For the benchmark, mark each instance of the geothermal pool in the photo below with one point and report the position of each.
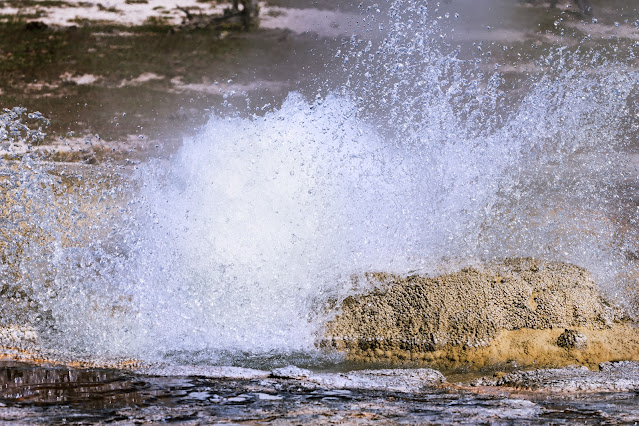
(432, 143)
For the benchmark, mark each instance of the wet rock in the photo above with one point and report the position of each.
(214, 372)
(612, 377)
(291, 372)
(450, 318)
(620, 367)
(395, 380)
(572, 339)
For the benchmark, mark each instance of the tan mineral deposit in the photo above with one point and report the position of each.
(521, 312)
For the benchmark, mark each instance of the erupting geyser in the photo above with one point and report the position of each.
(247, 238)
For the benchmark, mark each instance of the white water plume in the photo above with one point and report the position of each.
(242, 240)
(256, 223)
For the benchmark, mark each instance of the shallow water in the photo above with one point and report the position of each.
(59, 395)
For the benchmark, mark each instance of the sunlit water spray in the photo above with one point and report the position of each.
(242, 241)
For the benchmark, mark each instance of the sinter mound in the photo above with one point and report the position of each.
(509, 312)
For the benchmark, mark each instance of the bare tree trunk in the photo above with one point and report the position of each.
(248, 16)
(250, 12)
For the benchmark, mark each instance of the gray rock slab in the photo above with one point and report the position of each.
(214, 372)
(395, 380)
(612, 377)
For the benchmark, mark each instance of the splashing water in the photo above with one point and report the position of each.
(240, 242)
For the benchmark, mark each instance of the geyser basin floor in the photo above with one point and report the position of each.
(36, 394)
(115, 91)
(118, 84)
(139, 86)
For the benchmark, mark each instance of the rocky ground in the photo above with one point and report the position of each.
(291, 395)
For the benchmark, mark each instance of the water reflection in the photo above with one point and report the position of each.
(93, 389)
